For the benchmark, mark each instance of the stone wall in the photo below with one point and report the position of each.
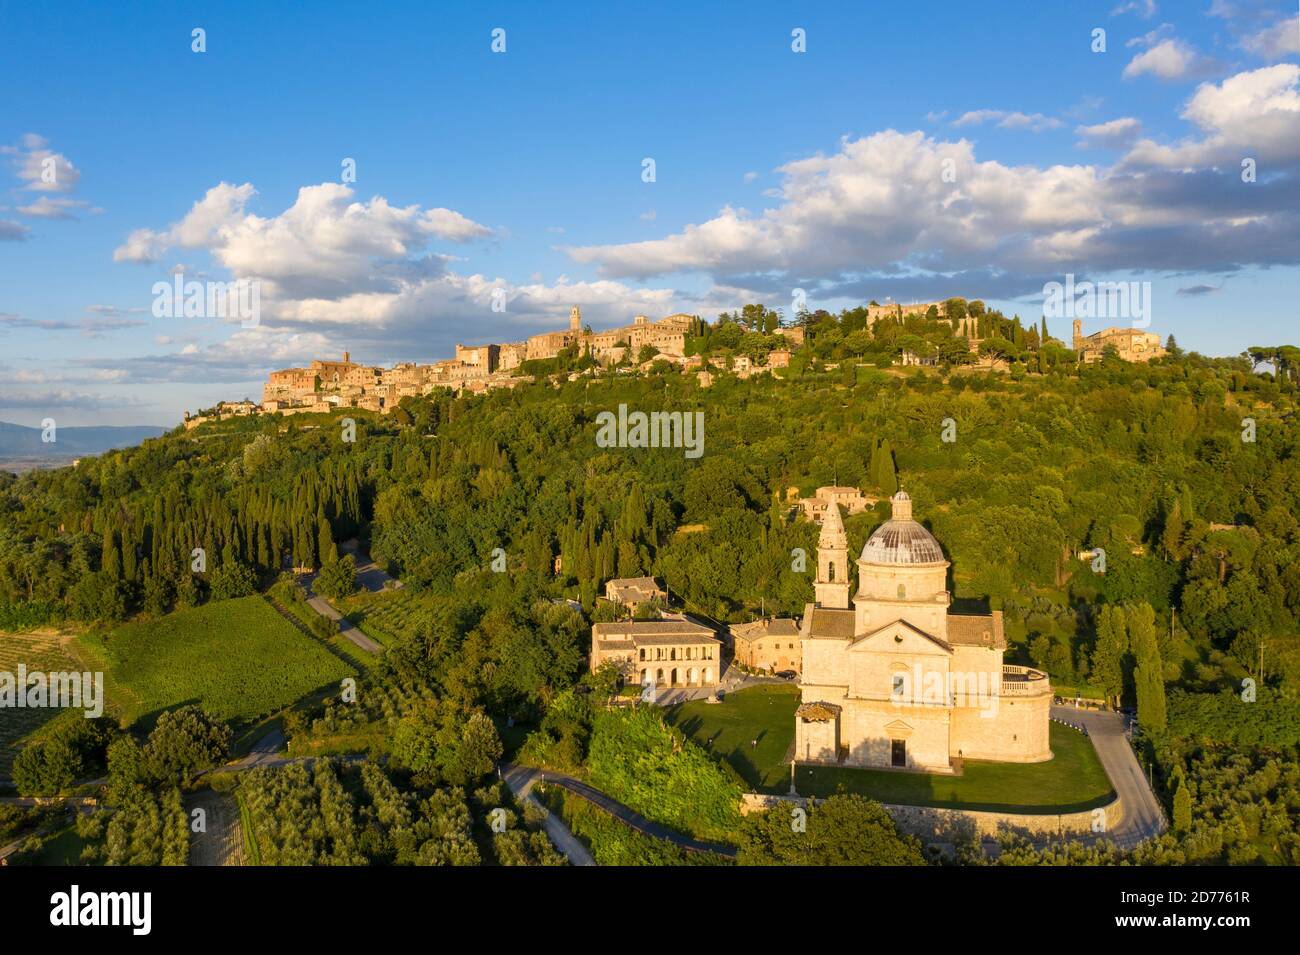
(932, 824)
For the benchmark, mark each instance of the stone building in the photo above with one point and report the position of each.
(486, 358)
(772, 644)
(815, 508)
(635, 592)
(331, 374)
(895, 311)
(892, 678)
(1131, 344)
(669, 652)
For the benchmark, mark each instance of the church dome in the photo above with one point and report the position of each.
(901, 540)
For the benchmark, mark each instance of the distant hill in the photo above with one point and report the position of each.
(18, 441)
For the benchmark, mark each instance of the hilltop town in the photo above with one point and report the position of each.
(327, 384)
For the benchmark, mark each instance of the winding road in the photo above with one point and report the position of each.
(1142, 818)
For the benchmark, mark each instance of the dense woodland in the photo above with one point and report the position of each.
(1184, 473)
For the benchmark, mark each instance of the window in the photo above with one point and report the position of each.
(902, 592)
(900, 685)
(830, 570)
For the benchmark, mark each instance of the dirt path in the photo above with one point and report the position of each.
(223, 843)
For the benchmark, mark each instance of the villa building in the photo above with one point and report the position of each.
(1130, 344)
(635, 592)
(669, 652)
(853, 501)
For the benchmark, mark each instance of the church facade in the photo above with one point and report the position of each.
(892, 678)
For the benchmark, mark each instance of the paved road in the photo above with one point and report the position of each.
(322, 607)
(1142, 817)
(265, 752)
(369, 574)
(619, 811)
(521, 780)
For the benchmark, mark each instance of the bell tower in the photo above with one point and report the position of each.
(831, 588)
(575, 320)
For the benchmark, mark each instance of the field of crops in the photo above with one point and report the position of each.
(386, 617)
(40, 653)
(238, 659)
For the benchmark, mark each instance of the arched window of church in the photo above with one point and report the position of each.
(831, 568)
(902, 591)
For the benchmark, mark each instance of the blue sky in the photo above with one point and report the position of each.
(522, 171)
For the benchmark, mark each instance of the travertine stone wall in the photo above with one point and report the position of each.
(932, 824)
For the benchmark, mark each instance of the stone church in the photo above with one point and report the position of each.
(892, 678)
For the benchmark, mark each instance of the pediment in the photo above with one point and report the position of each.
(901, 637)
(898, 730)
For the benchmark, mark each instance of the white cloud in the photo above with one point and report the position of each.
(41, 169)
(323, 245)
(1279, 40)
(52, 207)
(1115, 132)
(359, 275)
(1168, 60)
(880, 209)
(1034, 122)
(1143, 8)
(1255, 114)
(880, 200)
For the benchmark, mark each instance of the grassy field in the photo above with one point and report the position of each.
(1072, 781)
(40, 652)
(729, 729)
(239, 659)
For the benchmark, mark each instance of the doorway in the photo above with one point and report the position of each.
(898, 752)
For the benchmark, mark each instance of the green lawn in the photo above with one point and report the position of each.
(239, 659)
(1071, 781)
(728, 730)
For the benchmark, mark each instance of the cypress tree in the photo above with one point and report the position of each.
(1171, 539)
(1108, 655)
(110, 557)
(1182, 808)
(1148, 675)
